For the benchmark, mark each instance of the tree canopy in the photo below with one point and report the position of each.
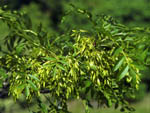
(100, 63)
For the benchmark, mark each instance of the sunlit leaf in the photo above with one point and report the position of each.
(93, 66)
(32, 85)
(123, 72)
(27, 91)
(22, 86)
(34, 77)
(63, 62)
(133, 74)
(50, 58)
(117, 51)
(119, 63)
(61, 67)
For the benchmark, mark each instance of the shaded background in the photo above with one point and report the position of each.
(50, 12)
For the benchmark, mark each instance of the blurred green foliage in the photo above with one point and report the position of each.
(129, 12)
(76, 106)
(132, 13)
(37, 16)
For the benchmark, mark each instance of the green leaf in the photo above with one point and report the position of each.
(133, 74)
(82, 49)
(22, 86)
(34, 77)
(27, 91)
(123, 72)
(120, 62)
(49, 58)
(3, 73)
(1, 11)
(63, 62)
(92, 66)
(87, 83)
(61, 67)
(1, 83)
(117, 51)
(44, 108)
(109, 102)
(139, 66)
(129, 39)
(32, 85)
(144, 54)
(19, 48)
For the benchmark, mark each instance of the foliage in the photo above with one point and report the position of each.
(100, 63)
(75, 106)
(38, 16)
(126, 11)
